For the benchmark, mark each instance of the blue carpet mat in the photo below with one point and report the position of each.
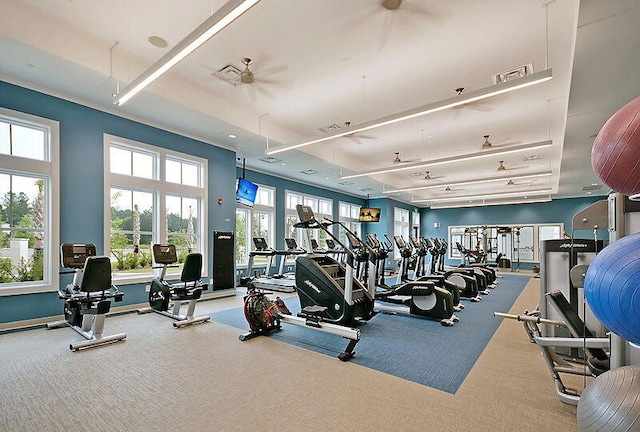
(406, 346)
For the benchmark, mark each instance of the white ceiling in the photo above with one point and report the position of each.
(318, 63)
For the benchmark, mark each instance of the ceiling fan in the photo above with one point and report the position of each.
(489, 145)
(397, 160)
(429, 177)
(501, 167)
(357, 137)
(240, 77)
(471, 105)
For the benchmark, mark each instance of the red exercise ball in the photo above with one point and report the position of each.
(615, 156)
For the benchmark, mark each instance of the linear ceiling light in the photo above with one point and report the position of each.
(205, 31)
(492, 203)
(451, 159)
(452, 102)
(468, 182)
(495, 195)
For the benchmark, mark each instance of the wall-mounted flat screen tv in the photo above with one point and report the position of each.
(368, 214)
(246, 192)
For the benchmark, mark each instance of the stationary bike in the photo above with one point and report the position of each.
(190, 288)
(87, 299)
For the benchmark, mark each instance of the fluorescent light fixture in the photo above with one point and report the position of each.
(496, 195)
(468, 182)
(205, 31)
(451, 159)
(492, 203)
(452, 102)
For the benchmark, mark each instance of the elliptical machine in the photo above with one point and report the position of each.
(87, 300)
(423, 298)
(161, 293)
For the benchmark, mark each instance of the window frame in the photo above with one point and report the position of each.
(258, 207)
(289, 212)
(404, 226)
(161, 188)
(351, 222)
(48, 169)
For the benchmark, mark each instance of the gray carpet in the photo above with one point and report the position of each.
(202, 378)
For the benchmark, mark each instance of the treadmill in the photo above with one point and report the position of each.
(266, 281)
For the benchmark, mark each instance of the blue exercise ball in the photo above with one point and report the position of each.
(612, 287)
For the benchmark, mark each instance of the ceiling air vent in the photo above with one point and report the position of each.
(415, 174)
(345, 183)
(270, 159)
(334, 127)
(591, 188)
(512, 74)
(309, 172)
(229, 73)
(365, 189)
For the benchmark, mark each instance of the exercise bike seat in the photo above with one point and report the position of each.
(191, 273)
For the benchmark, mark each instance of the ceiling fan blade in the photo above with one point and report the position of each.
(272, 71)
(385, 32)
(252, 92)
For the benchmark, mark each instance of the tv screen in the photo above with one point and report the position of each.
(246, 192)
(369, 214)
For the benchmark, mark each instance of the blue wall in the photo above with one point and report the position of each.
(556, 211)
(82, 189)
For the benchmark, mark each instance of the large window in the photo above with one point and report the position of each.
(321, 207)
(349, 216)
(400, 227)
(256, 222)
(28, 203)
(155, 196)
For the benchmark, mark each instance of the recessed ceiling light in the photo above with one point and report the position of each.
(157, 42)
(589, 193)
(594, 184)
(283, 164)
(232, 136)
(327, 178)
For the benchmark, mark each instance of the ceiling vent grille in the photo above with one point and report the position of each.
(270, 159)
(229, 73)
(365, 189)
(512, 74)
(309, 172)
(345, 183)
(415, 174)
(334, 127)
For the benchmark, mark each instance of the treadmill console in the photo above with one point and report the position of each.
(330, 244)
(260, 243)
(291, 243)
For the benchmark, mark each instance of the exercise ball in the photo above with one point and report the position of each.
(612, 287)
(611, 402)
(616, 150)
